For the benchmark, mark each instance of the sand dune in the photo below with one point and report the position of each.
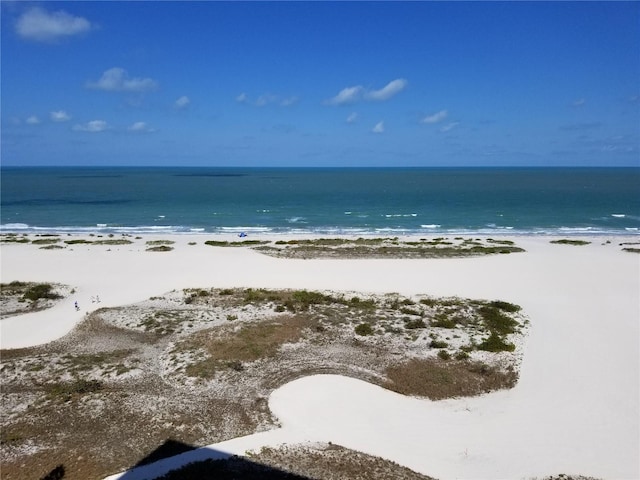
(576, 406)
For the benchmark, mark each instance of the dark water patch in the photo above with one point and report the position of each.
(91, 176)
(40, 202)
(210, 175)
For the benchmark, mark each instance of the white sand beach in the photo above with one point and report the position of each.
(575, 409)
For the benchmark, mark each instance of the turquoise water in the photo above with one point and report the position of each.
(326, 201)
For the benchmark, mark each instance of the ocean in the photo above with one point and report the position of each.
(327, 201)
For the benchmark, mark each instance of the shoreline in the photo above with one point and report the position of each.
(581, 301)
(430, 231)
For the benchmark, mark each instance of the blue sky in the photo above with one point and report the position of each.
(321, 84)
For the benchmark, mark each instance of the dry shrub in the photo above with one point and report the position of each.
(250, 343)
(437, 380)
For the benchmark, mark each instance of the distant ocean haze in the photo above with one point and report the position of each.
(367, 201)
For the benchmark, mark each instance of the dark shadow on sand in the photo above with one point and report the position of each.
(55, 474)
(174, 460)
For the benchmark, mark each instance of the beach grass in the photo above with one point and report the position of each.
(386, 247)
(159, 248)
(567, 241)
(438, 380)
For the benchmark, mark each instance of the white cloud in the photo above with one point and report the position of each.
(182, 102)
(42, 26)
(578, 103)
(33, 120)
(242, 98)
(140, 127)
(93, 126)
(352, 117)
(436, 117)
(117, 80)
(358, 92)
(449, 126)
(60, 116)
(346, 95)
(266, 99)
(287, 102)
(379, 128)
(389, 90)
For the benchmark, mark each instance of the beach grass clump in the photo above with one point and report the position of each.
(444, 355)
(567, 241)
(113, 241)
(500, 242)
(244, 243)
(429, 302)
(631, 249)
(259, 295)
(443, 320)
(160, 248)
(293, 301)
(414, 323)
(13, 287)
(247, 344)
(438, 344)
(364, 329)
(45, 241)
(67, 391)
(461, 355)
(78, 241)
(362, 304)
(496, 343)
(160, 242)
(319, 242)
(40, 290)
(303, 299)
(505, 306)
(410, 311)
(437, 379)
(14, 238)
(496, 321)
(165, 321)
(84, 362)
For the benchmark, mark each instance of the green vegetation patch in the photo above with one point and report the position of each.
(364, 329)
(496, 321)
(45, 241)
(40, 290)
(386, 248)
(244, 243)
(496, 343)
(113, 241)
(78, 241)
(14, 238)
(567, 241)
(160, 248)
(67, 391)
